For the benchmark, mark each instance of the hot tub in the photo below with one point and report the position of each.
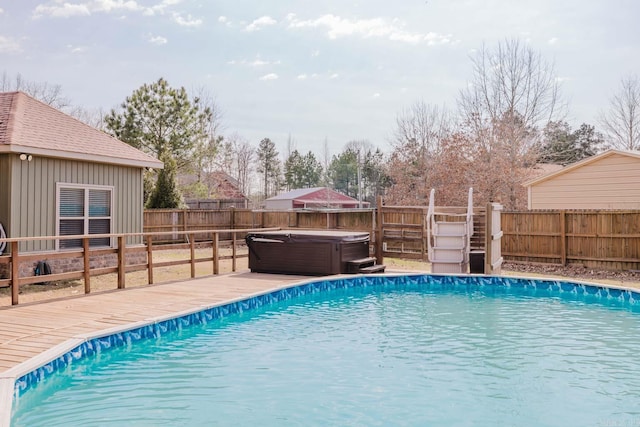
(305, 252)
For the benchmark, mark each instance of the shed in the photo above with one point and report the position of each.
(609, 180)
(59, 176)
(317, 197)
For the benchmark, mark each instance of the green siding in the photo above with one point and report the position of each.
(33, 197)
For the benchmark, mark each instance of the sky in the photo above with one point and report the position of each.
(332, 71)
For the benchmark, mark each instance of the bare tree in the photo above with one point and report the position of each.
(512, 95)
(207, 99)
(93, 117)
(416, 141)
(622, 121)
(421, 126)
(243, 153)
(50, 94)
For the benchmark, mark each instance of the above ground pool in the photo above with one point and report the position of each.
(363, 351)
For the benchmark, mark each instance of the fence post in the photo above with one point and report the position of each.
(216, 261)
(121, 262)
(192, 251)
(488, 238)
(378, 229)
(149, 260)
(233, 252)
(87, 266)
(184, 224)
(563, 236)
(233, 218)
(15, 273)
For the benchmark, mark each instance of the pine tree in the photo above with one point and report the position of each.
(165, 195)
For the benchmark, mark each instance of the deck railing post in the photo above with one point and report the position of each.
(192, 252)
(149, 260)
(378, 225)
(15, 273)
(121, 262)
(87, 265)
(233, 252)
(216, 260)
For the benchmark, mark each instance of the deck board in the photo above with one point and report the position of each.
(28, 330)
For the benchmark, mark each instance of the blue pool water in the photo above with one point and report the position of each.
(402, 351)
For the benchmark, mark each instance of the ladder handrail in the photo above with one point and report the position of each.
(469, 218)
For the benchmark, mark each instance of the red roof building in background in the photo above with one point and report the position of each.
(309, 198)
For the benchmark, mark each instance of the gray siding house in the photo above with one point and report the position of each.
(59, 176)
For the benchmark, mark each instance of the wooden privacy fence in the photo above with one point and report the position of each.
(402, 229)
(173, 221)
(593, 238)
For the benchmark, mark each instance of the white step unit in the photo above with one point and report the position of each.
(450, 250)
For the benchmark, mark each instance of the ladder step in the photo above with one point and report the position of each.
(373, 269)
(361, 261)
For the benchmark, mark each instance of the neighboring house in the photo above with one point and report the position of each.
(318, 197)
(610, 180)
(224, 191)
(59, 176)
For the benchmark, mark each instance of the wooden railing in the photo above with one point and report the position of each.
(14, 259)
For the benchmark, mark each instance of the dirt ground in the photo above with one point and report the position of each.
(40, 292)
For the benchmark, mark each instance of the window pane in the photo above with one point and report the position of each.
(100, 226)
(71, 202)
(99, 203)
(71, 227)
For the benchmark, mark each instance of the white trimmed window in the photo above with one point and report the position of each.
(83, 209)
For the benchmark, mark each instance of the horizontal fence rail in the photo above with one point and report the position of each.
(602, 239)
(84, 256)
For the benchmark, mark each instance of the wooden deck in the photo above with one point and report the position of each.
(28, 330)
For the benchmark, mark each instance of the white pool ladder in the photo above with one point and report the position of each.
(449, 237)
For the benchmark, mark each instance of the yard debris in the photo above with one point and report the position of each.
(573, 271)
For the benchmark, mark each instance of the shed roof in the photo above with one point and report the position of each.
(581, 163)
(33, 127)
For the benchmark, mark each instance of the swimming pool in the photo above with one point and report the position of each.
(380, 350)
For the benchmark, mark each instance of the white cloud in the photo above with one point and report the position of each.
(189, 21)
(76, 49)
(157, 40)
(1, 10)
(62, 9)
(334, 76)
(258, 62)
(302, 77)
(65, 10)
(375, 95)
(553, 40)
(367, 28)
(270, 76)
(9, 45)
(260, 23)
(315, 53)
(223, 19)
